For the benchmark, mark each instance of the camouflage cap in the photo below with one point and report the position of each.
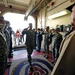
(30, 23)
(7, 22)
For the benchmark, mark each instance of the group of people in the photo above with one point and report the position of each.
(18, 38)
(5, 44)
(51, 37)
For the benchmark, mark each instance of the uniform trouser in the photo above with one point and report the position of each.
(47, 48)
(10, 47)
(55, 53)
(29, 50)
(39, 45)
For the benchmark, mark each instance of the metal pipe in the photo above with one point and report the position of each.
(35, 7)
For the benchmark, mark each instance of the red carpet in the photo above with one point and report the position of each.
(38, 68)
(21, 66)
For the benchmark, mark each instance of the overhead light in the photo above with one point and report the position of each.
(62, 13)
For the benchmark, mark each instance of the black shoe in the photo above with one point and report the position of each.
(38, 51)
(53, 61)
(31, 68)
(8, 64)
(46, 56)
(10, 56)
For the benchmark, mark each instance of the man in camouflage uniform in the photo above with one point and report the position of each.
(47, 41)
(30, 41)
